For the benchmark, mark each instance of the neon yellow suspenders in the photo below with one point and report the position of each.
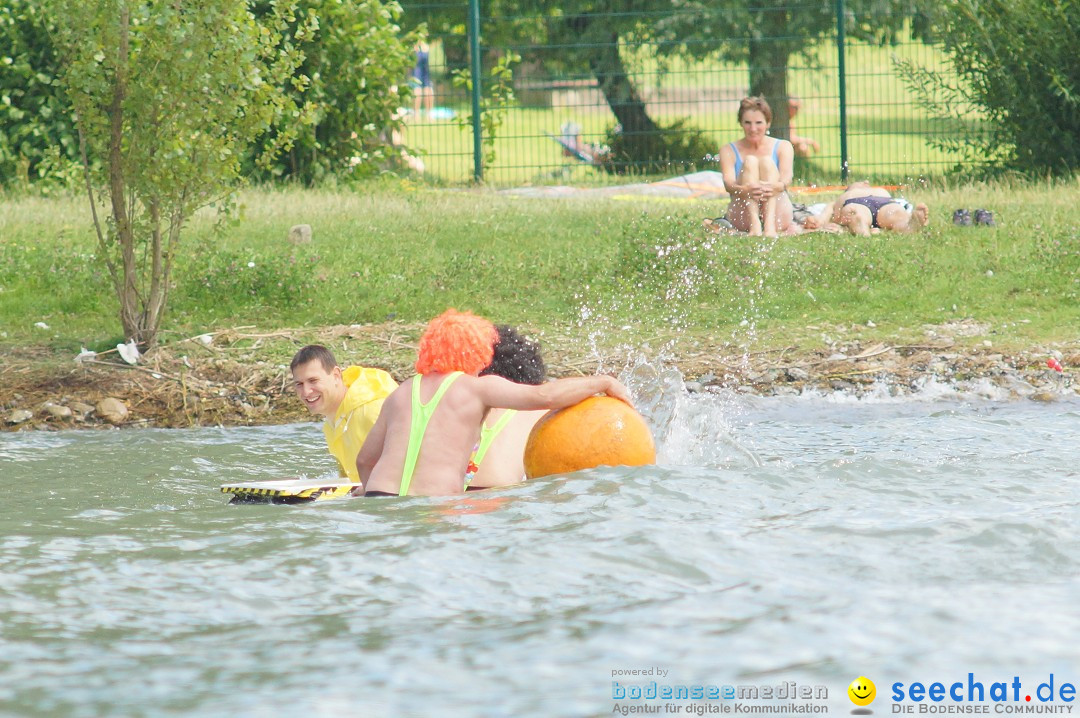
(487, 438)
(421, 415)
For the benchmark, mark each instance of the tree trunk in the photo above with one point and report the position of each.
(621, 95)
(156, 300)
(127, 291)
(768, 68)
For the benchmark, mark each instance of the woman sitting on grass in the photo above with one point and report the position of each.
(757, 170)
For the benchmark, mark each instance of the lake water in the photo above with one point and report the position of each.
(805, 540)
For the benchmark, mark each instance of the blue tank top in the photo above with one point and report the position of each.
(422, 70)
(738, 157)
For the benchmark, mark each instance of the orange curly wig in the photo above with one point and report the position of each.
(456, 341)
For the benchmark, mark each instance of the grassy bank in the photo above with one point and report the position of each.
(632, 269)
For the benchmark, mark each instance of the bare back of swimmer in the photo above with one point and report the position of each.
(454, 429)
(429, 428)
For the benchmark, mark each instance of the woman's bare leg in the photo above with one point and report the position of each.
(750, 173)
(920, 217)
(769, 173)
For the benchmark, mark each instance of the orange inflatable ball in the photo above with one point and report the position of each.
(599, 431)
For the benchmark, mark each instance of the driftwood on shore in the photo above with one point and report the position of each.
(239, 376)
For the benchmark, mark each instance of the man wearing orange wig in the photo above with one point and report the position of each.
(422, 442)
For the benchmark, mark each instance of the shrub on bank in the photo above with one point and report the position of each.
(1019, 68)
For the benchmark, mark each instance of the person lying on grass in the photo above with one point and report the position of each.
(866, 210)
(430, 426)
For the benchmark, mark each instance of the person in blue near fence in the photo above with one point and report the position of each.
(573, 146)
(421, 83)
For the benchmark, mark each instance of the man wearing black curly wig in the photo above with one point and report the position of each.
(499, 456)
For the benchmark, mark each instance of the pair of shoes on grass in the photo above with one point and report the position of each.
(962, 218)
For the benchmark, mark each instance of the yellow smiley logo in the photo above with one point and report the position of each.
(862, 691)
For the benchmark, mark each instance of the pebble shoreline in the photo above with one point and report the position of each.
(110, 396)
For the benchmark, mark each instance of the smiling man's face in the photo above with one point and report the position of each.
(319, 389)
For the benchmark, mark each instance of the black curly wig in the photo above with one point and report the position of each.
(516, 358)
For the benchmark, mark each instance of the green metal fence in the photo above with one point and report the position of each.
(596, 79)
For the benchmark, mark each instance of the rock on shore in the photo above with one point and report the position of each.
(230, 382)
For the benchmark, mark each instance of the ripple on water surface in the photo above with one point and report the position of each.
(779, 539)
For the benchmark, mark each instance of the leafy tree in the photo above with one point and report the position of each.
(767, 34)
(591, 36)
(36, 131)
(1018, 67)
(356, 62)
(167, 96)
(577, 36)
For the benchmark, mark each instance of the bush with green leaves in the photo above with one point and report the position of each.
(497, 96)
(239, 278)
(37, 136)
(1019, 70)
(167, 97)
(676, 148)
(355, 70)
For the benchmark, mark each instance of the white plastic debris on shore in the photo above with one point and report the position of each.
(129, 352)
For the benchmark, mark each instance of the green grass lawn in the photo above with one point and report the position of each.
(593, 267)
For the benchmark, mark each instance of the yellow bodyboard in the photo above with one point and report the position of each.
(291, 490)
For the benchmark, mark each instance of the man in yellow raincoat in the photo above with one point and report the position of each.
(350, 400)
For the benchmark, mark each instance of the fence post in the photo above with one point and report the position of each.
(843, 89)
(477, 127)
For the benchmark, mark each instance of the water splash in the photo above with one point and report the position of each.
(690, 428)
(664, 276)
(746, 333)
